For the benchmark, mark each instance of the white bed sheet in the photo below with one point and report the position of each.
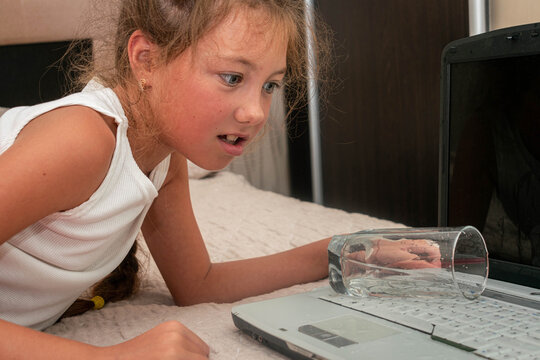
(238, 221)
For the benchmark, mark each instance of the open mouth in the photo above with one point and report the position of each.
(233, 144)
(230, 139)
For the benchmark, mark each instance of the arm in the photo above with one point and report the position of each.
(176, 244)
(56, 163)
(18, 342)
(170, 340)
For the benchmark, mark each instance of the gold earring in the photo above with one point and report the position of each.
(142, 84)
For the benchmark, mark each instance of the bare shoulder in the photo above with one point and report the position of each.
(78, 124)
(79, 136)
(67, 150)
(56, 163)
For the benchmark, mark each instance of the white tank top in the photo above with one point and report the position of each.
(47, 266)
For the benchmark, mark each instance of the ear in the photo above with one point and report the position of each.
(140, 50)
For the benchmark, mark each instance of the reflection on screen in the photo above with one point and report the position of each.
(494, 154)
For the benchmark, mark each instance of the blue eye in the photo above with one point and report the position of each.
(231, 79)
(270, 87)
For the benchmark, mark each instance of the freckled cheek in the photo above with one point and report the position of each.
(217, 111)
(206, 123)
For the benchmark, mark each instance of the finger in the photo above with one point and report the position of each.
(420, 244)
(437, 263)
(191, 341)
(390, 256)
(357, 256)
(196, 344)
(424, 247)
(414, 264)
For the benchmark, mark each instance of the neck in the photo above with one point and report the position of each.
(147, 151)
(143, 136)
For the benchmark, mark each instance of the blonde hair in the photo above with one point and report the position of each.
(174, 26)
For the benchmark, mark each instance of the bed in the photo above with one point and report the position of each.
(237, 221)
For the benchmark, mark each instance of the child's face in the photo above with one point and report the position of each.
(214, 99)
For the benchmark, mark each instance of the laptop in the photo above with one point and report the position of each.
(489, 179)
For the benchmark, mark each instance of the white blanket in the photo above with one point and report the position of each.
(238, 221)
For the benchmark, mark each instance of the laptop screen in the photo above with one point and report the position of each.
(490, 146)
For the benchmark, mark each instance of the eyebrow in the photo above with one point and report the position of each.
(244, 61)
(279, 72)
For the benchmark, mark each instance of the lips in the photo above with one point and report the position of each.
(233, 144)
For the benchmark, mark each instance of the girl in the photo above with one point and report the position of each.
(82, 175)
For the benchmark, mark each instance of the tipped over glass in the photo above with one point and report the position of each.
(409, 262)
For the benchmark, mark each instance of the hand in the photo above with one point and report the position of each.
(170, 340)
(401, 254)
(404, 253)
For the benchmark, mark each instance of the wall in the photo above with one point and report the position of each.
(380, 131)
(41, 21)
(505, 13)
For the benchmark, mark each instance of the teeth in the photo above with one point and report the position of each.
(231, 139)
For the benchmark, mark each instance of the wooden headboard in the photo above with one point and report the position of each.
(35, 73)
(34, 35)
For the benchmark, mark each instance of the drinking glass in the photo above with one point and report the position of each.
(409, 262)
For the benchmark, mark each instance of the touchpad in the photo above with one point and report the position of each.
(346, 330)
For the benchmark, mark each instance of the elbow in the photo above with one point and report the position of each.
(204, 290)
(187, 300)
(193, 295)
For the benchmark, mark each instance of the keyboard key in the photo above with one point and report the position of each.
(493, 329)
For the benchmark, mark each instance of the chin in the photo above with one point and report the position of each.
(214, 165)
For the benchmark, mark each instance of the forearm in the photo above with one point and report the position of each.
(18, 342)
(235, 280)
(170, 338)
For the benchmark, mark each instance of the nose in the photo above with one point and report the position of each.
(252, 111)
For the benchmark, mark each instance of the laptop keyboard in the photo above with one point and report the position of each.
(491, 329)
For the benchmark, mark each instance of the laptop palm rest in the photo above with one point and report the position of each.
(304, 327)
